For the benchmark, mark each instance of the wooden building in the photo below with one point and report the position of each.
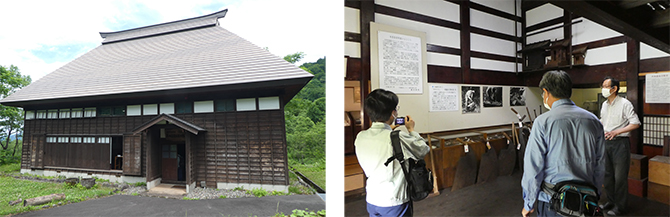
(184, 102)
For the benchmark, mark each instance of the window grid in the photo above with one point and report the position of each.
(103, 140)
(77, 113)
(89, 112)
(42, 114)
(52, 114)
(654, 128)
(51, 139)
(30, 115)
(89, 139)
(62, 139)
(64, 113)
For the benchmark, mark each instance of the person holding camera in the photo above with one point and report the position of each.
(386, 185)
(566, 145)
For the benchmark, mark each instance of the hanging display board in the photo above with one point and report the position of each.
(400, 63)
(443, 98)
(657, 88)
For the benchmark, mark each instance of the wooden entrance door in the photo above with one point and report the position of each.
(170, 164)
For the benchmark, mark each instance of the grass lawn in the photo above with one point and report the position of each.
(13, 189)
(313, 172)
(10, 168)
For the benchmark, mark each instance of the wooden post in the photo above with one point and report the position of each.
(436, 191)
(43, 199)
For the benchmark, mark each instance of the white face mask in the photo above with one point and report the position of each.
(545, 103)
(606, 92)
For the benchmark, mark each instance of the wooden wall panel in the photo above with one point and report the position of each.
(132, 150)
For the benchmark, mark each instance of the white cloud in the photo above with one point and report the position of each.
(284, 27)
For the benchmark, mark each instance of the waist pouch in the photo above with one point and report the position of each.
(573, 198)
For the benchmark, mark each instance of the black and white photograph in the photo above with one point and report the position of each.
(517, 96)
(471, 102)
(492, 96)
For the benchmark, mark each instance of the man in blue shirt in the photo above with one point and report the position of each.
(565, 144)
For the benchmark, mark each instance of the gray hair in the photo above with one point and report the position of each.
(558, 83)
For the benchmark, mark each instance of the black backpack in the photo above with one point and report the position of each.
(419, 179)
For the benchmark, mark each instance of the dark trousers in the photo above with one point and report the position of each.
(404, 210)
(617, 163)
(543, 210)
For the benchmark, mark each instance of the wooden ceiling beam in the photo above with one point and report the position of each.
(634, 3)
(615, 18)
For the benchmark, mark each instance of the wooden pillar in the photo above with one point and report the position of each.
(634, 92)
(567, 33)
(367, 15)
(465, 41)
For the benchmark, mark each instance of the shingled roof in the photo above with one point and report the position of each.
(190, 53)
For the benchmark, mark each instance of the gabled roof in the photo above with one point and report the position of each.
(170, 119)
(169, 56)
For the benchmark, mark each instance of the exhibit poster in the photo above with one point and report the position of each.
(492, 96)
(443, 98)
(471, 100)
(517, 96)
(400, 68)
(657, 88)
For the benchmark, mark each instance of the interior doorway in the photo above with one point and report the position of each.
(173, 155)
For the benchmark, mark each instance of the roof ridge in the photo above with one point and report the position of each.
(163, 28)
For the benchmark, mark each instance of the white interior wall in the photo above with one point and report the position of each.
(478, 63)
(436, 35)
(502, 5)
(588, 31)
(433, 8)
(492, 45)
(605, 55)
(352, 20)
(648, 52)
(491, 22)
(352, 49)
(542, 13)
(440, 59)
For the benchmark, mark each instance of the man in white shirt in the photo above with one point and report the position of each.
(386, 188)
(618, 118)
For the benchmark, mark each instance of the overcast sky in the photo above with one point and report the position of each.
(41, 36)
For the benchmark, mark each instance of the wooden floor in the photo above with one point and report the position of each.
(501, 197)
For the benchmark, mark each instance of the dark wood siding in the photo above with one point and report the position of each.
(237, 147)
(132, 154)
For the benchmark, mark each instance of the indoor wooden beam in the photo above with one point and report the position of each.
(615, 21)
(633, 90)
(367, 15)
(465, 41)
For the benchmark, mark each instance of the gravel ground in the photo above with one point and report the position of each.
(211, 193)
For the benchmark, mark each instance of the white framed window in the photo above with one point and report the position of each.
(89, 139)
(268, 103)
(75, 139)
(103, 140)
(64, 113)
(77, 113)
(30, 115)
(167, 108)
(134, 110)
(203, 106)
(89, 112)
(248, 104)
(151, 109)
(51, 139)
(52, 114)
(41, 114)
(62, 139)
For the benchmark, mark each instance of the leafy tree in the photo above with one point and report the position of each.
(11, 118)
(305, 115)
